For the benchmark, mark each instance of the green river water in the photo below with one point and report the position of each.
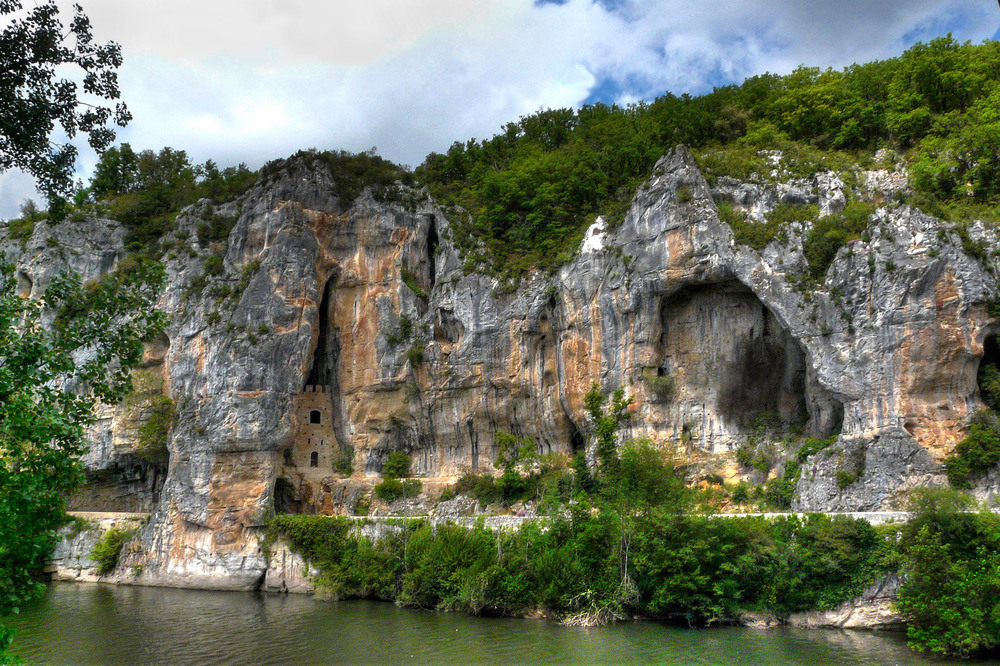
(106, 624)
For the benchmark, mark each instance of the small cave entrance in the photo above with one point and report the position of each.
(729, 358)
(576, 442)
(285, 500)
(448, 329)
(24, 284)
(988, 375)
(323, 371)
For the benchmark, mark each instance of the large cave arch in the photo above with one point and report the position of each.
(735, 366)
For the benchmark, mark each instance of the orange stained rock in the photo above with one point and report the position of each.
(937, 361)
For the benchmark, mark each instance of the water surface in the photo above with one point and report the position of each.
(87, 623)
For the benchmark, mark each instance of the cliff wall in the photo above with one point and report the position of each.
(369, 300)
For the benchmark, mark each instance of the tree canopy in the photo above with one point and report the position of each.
(532, 189)
(59, 356)
(54, 75)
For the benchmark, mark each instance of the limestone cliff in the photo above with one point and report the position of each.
(366, 303)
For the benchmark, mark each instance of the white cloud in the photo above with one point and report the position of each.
(251, 80)
(15, 188)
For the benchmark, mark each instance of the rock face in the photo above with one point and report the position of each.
(71, 559)
(368, 300)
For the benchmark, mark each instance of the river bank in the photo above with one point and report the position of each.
(289, 572)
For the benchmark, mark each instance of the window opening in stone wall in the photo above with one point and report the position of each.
(288, 456)
(314, 416)
(314, 459)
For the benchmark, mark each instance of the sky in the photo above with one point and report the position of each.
(253, 80)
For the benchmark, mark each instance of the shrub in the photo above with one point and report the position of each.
(977, 452)
(774, 227)
(813, 445)
(216, 228)
(21, 230)
(343, 463)
(411, 281)
(415, 355)
(154, 433)
(780, 491)
(741, 493)
(213, 265)
(397, 465)
(846, 479)
(478, 486)
(599, 565)
(831, 233)
(662, 388)
(989, 385)
(392, 489)
(108, 548)
(643, 479)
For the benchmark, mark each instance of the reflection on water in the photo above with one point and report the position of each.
(107, 624)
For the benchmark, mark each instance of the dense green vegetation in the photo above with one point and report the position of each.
(977, 452)
(830, 233)
(599, 565)
(145, 191)
(951, 572)
(532, 189)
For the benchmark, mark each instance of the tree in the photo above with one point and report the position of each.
(117, 172)
(950, 595)
(36, 92)
(606, 423)
(59, 356)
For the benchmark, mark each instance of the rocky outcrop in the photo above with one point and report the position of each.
(369, 300)
(72, 559)
(874, 609)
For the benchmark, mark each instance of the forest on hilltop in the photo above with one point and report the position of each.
(533, 189)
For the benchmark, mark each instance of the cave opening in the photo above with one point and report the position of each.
(285, 500)
(323, 371)
(576, 441)
(735, 366)
(24, 284)
(432, 244)
(988, 375)
(448, 329)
